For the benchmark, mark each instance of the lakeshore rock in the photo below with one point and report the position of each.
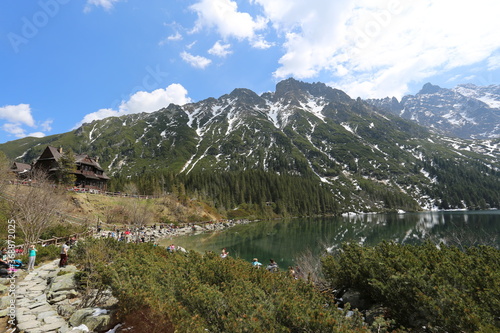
(55, 297)
(78, 317)
(3, 289)
(93, 318)
(154, 234)
(64, 282)
(65, 310)
(4, 302)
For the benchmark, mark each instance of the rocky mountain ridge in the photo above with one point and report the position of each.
(466, 111)
(367, 159)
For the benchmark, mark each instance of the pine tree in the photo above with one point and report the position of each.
(67, 168)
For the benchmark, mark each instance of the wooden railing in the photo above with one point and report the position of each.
(59, 240)
(93, 191)
(115, 194)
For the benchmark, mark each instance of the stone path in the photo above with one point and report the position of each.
(34, 314)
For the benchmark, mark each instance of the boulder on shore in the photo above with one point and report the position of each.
(95, 319)
(62, 283)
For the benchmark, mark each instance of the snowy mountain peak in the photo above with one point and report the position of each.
(466, 111)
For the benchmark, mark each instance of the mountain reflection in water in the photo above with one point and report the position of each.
(285, 240)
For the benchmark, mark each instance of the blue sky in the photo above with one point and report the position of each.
(65, 62)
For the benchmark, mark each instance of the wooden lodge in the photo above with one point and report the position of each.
(89, 174)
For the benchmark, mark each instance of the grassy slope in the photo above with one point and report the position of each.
(87, 209)
(165, 208)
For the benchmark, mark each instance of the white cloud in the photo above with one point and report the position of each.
(20, 113)
(260, 43)
(190, 45)
(195, 61)
(220, 50)
(172, 38)
(14, 129)
(377, 47)
(454, 78)
(175, 37)
(47, 125)
(494, 62)
(19, 132)
(223, 15)
(106, 4)
(19, 116)
(37, 134)
(143, 101)
(100, 114)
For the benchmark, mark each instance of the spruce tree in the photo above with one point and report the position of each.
(67, 168)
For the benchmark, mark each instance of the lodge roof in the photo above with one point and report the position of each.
(19, 167)
(50, 153)
(86, 159)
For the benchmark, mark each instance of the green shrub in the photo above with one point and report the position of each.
(62, 230)
(441, 288)
(49, 252)
(191, 292)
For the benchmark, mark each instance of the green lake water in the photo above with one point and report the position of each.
(288, 239)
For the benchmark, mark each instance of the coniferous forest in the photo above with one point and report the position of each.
(242, 193)
(266, 194)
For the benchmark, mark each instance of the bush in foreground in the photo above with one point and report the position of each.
(191, 292)
(424, 287)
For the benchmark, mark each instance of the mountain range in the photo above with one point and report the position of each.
(360, 155)
(466, 111)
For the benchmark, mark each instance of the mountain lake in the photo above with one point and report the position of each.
(286, 240)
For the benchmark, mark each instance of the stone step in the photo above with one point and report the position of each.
(34, 313)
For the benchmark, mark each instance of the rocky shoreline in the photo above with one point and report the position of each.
(47, 300)
(155, 232)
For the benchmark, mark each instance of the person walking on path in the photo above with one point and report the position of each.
(32, 257)
(64, 255)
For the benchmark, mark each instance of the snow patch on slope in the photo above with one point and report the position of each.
(191, 159)
(91, 139)
(477, 93)
(348, 128)
(24, 154)
(489, 100)
(315, 106)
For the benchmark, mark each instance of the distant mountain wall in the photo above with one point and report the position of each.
(466, 111)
